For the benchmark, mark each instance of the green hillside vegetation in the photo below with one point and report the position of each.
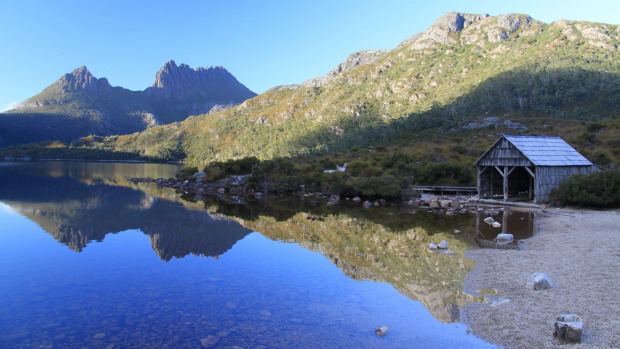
(560, 79)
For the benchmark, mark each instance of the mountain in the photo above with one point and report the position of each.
(531, 77)
(79, 104)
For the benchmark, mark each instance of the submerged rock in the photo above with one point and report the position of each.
(209, 342)
(381, 331)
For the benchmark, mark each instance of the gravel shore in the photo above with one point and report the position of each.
(580, 251)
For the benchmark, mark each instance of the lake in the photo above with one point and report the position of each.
(90, 260)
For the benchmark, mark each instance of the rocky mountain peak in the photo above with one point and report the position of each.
(183, 82)
(460, 28)
(81, 79)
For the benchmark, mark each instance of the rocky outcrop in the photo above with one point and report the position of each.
(440, 32)
(459, 28)
(354, 60)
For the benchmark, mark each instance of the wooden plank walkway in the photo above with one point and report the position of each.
(438, 189)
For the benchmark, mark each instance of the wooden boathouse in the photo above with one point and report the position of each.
(527, 167)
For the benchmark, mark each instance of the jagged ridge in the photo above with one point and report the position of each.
(79, 104)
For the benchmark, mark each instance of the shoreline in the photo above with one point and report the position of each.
(580, 251)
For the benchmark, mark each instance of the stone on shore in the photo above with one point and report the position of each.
(540, 281)
(443, 245)
(567, 329)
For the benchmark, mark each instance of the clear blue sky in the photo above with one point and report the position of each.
(263, 43)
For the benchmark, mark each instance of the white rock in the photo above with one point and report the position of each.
(540, 281)
(443, 245)
(432, 246)
(489, 220)
(496, 224)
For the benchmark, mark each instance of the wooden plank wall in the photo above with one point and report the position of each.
(549, 177)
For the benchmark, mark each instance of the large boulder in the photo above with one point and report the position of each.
(567, 329)
(199, 175)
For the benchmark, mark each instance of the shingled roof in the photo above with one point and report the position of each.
(546, 151)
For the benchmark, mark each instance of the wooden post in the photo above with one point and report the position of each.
(505, 175)
(479, 173)
(532, 180)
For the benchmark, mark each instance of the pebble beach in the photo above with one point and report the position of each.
(580, 251)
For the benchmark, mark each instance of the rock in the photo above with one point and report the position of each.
(367, 204)
(443, 245)
(199, 174)
(99, 335)
(357, 199)
(540, 281)
(222, 190)
(209, 342)
(456, 231)
(504, 237)
(496, 224)
(567, 329)
(231, 305)
(432, 246)
(489, 220)
(265, 312)
(381, 331)
(376, 204)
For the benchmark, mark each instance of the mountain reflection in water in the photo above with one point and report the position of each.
(75, 213)
(261, 293)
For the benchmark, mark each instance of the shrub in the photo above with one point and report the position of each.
(443, 173)
(186, 173)
(599, 189)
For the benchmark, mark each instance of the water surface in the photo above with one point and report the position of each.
(88, 260)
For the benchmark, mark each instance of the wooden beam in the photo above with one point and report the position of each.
(511, 169)
(499, 170)
(529, 171)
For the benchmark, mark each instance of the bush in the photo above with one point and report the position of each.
(599, 189)
(446, 174)
(186, 173)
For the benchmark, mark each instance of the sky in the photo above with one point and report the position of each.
(263, 43)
